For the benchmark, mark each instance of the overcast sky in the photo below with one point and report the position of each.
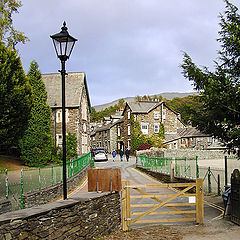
(125, 47)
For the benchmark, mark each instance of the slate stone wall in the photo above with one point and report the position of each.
(36, 198)
(5, 206)
(69, 219)
(189, 153)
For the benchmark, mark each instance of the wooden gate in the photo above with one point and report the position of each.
(188, 203)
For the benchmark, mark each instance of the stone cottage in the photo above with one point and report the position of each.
(78, 108)
(150, 115)
(108, 134)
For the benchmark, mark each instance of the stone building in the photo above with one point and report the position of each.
(149, 115)
(77, 108)
(191, 138)
(107, 135)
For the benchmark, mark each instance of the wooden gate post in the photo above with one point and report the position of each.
(199, 201)
(124, 206)
(128, 215)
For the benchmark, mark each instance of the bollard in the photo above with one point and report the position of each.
(219, 184)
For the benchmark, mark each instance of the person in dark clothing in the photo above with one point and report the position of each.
(127, 153)
(114, 153)
(121, 154)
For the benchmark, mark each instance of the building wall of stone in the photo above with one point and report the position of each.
(171, 121)
(69, 219)
(125, 137)
(77, 122)
(149, 118)
(84, 124)
(113, 138)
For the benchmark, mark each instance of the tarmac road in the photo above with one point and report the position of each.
(212, 211)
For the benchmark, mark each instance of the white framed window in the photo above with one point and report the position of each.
(129, 130)
(156, 127)
(129, 114)
(156, 115)
(164, 114)
(59, 115)
(129, 144)
(119, 131)
(84, 127)
(144, 128)
(59, 140)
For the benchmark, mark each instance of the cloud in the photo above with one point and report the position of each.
(126, 47)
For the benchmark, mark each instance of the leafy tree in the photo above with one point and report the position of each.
(15, 99)
(36, 143)
(187, 107)
(138, 98)
(137, 137)
(8, 34)
(71, 148)
(220, 95)
(121, 102)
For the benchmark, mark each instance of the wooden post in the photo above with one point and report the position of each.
(124, 206)
(128, 203)
(199, 201)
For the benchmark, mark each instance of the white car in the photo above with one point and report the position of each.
(100, 155)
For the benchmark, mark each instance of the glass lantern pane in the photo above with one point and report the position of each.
(69, 48)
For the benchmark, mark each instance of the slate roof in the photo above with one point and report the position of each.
(143, 107)
(191, 132)
(73, 87)
(184, 133)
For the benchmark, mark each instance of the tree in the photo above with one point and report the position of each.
(36, 143)
(8, 34)
(219, 89)
(187, 107)
(15, 100)
(71, 148)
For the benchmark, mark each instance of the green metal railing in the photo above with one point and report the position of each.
(13, 184)
(214, 179)
(158, 164)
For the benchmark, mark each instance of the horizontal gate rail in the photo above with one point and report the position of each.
(162, 195)
(183, 192)
(166, 205)
(162, 213)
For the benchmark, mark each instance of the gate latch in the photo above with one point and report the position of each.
(127, 219)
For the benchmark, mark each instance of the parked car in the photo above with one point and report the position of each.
(99, 154)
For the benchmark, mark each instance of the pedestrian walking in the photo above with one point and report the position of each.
(127, 153)
(121, 154)
(114, 153)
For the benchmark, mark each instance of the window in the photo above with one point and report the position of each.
(119, 131)
(129, 144)
(59, 140)
(129, 130)
(144, 128)
(156, 115)
(156, 127)
(129, 114)
(84, 127)
(59, 115)
(164, 114)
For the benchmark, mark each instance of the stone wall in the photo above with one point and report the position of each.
(82, 218)
(189, 153)
(5, 206)
(36, 198)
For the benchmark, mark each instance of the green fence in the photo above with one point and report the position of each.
(158, 164)
(14, 184)
(214, 179)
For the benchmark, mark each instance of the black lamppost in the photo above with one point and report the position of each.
(63, 44)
